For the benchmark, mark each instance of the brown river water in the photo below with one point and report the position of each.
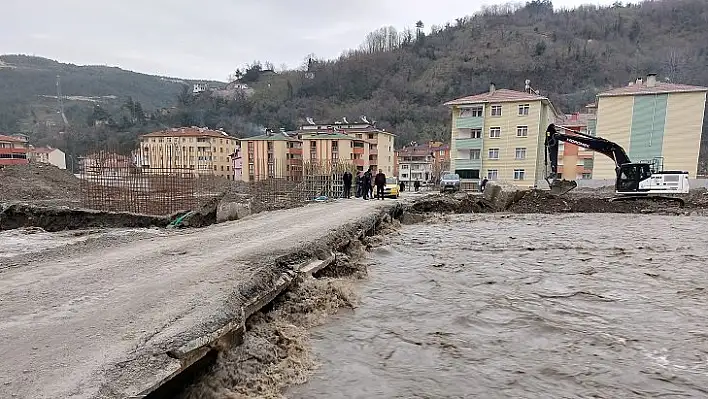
(533, 306)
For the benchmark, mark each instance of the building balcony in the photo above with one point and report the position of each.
(358, 150)
(295, 151)
(294, 161)
(373, 151)
(468, 144)
(470, 122)
(468, 163)
(13, 151)
(358, 162)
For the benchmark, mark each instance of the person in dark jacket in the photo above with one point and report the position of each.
(416, 184)
(357, 183)
(366, 184)
(483, 185)
(402, 186)
(380, 181)
(347, 180)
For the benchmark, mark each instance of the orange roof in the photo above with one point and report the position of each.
(42, 150)
(189, 132)
(11, 139)
(659, 87)
(498, 96)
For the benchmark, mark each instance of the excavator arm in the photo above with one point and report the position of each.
(553, 138)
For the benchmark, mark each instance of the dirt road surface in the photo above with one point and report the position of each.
(71, 318)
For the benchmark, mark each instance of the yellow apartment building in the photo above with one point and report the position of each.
(205, 151)
(500, 135)
(654, 121)
(271, 155)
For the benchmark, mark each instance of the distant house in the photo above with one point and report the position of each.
(13, 150)
(106, 163)
(48, 155)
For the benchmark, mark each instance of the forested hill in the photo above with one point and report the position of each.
(401, 78)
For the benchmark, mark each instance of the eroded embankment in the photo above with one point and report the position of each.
(267, 348)
(52, 219)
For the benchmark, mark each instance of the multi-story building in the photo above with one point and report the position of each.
(371, 146)
(653, 121)
(423, 162)
(237, 160)
(205, 151)
(575, 163)
(13, 150)
(48, 155)
(271, 155)
(500, 135)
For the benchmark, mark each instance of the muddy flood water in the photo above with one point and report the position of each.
(536, 306)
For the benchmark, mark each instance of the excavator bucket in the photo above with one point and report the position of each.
(560, 187)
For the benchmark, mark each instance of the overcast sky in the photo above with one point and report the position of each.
(209, 39)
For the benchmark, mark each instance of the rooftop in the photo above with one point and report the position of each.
(11, 139)
(42, 150)
(325, 136)
(651, 86)
(189, 132)
(497, 96)
(270, 137)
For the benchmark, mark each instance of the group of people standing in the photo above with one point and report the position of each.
(365, 183)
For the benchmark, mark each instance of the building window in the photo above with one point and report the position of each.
(493, 153)
(524, 109)
(404, 166)
(474, 112)
(496, 110)
(492, 174)
(586, 176)
(519, 174)
(468, 173)
(476, 133)
(475, 154)
(521, 153)
(522, 131)
(494, 132)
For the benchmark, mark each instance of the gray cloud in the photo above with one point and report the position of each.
(210, 38)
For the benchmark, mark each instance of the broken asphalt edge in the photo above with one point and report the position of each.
(313, 257)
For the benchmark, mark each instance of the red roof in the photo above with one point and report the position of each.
(11, 139)
(659, 87)
(189, 132)
(497, 96)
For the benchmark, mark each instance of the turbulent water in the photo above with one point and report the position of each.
(537, 306)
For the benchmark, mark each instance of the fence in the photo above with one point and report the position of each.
(112, 182)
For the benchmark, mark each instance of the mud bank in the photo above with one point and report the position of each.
(256, 331)
(53, 219)
(538, 201)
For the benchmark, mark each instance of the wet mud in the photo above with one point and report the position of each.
(524, 306)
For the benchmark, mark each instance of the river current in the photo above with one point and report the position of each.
(534, 306)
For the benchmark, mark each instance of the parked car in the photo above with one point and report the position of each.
(450, 182)
(391, 190)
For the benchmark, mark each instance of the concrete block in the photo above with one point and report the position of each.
(500, 195)
(232, 211)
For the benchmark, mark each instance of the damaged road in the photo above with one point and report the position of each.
(113, 321)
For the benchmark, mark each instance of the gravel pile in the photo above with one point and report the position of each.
(38, 183)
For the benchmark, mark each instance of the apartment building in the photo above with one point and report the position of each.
(271, 155)
(207, 152)
(653, 121)
(13, 150)
(575, 163)
(48, 155)
(370, 146)
(423, 162)
(500, 135)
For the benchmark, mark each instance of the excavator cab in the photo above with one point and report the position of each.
(630, 175)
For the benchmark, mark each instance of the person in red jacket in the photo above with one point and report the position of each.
(380, 181)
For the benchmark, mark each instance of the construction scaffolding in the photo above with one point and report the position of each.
(112, 182)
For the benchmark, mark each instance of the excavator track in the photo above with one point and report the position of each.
(653, 198)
